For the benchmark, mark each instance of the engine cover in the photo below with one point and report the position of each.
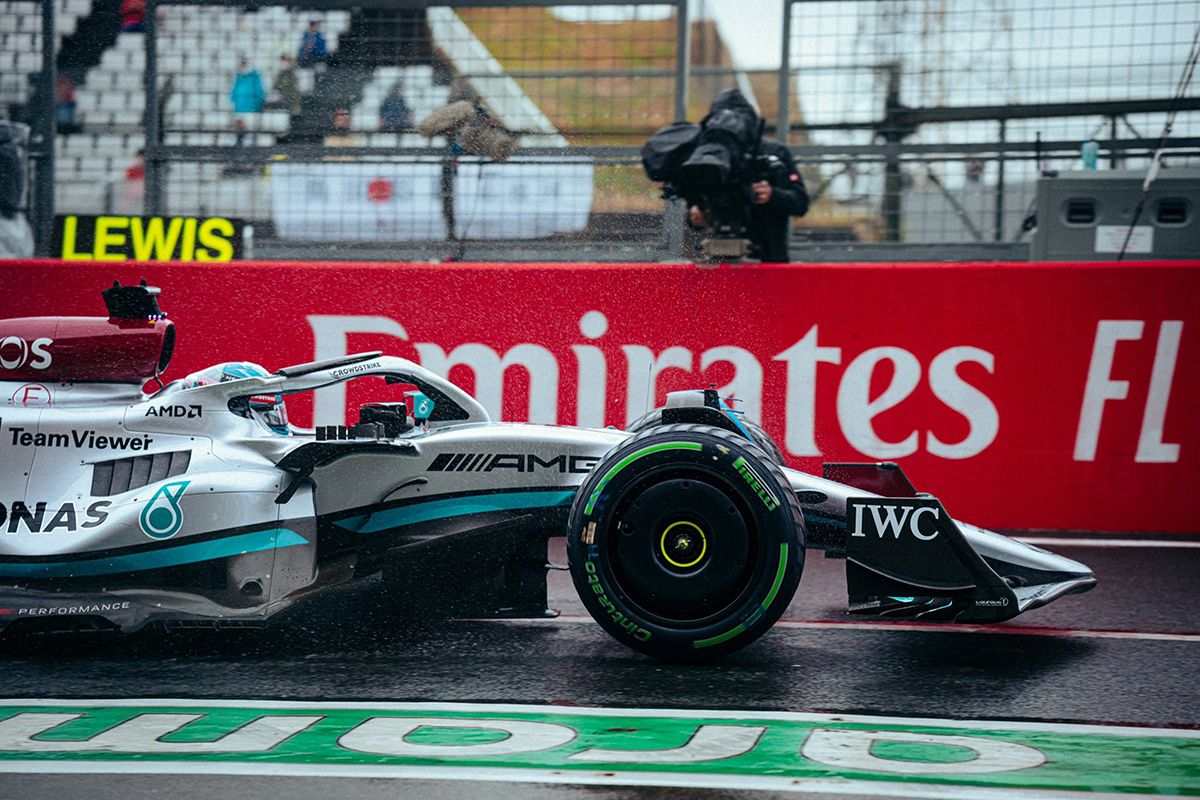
(84, 349)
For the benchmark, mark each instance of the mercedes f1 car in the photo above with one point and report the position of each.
(199, 503)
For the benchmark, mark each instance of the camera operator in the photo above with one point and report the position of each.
(16, 239)
(775, 198)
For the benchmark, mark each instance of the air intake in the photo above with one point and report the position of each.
(122, 474)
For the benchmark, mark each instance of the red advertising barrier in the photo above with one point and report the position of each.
(1025, 396)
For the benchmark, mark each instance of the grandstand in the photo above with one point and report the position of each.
(198, 52)
(21, 42)
(199, 49)
(420, 93)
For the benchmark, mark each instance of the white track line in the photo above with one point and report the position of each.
(1073, 728)
(926, 627)
(910, 790)
(1012, 631)
(1066, 541)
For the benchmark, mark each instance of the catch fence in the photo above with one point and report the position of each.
(510, 129)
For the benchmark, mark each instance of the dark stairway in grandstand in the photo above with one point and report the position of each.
(376, 37)
(94, 34)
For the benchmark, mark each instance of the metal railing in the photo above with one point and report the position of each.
(916, 125)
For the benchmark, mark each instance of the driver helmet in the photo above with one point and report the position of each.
(266, 408)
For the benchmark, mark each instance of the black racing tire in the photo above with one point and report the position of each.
(757, 434)
(764, 440)
(686, 542)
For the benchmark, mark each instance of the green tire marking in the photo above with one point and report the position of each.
(629, 459)
(724, 637)
(720, 637)
(783, 551)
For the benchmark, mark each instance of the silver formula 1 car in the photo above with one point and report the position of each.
(198, 503)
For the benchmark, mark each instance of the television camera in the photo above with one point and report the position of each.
(713, 165)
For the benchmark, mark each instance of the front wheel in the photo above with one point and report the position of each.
(686, 542)
(755, 431)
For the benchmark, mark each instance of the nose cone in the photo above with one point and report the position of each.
(1036, 576)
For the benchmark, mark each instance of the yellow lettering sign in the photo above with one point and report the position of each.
(215, 235)
(108, 234)
(154, 239)
(188, 253)
(70, 231)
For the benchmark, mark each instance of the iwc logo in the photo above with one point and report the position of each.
(162, 517)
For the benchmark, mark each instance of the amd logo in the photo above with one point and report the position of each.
(182, 412)
(893, 519)
(16, 353)
(517, 462)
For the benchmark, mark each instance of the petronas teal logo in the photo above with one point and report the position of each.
(162, 517)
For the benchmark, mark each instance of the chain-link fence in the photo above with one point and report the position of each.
(510, 129)
(930, 122)
(431, 128)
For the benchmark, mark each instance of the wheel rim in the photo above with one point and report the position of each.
(683, 545)
(683, 548)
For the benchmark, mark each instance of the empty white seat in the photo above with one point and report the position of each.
(184, 120)
(112, 100)
(200, 139)
(391, 140)
(79, 198)
(127, 117)
(417, 140)
(276, 121)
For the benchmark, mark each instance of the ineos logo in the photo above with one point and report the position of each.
(892, 519)
(15, 353)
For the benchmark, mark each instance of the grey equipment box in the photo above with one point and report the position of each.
(1084, 216)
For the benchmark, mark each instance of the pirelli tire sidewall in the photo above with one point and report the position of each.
(764, 440)
(774, 523)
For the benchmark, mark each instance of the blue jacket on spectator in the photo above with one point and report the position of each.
(312, 48)
(247, 93)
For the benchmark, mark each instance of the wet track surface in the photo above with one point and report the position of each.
(1047, 665)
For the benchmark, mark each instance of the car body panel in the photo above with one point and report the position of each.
(179, 506)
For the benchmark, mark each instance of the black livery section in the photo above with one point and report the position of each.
(906, 557)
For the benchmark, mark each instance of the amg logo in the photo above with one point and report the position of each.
(184, 412)
(766, 495)
(517, 462)
(891, 518)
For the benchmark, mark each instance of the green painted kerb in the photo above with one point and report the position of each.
(791, 746)
(629, 459)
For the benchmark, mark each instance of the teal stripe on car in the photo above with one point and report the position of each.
(172, 556)
(812, 517)
(455, 507)
(729, 412)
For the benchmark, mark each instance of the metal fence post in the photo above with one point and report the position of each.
(782, 124)
(673, 212)
(683, 58)
(46, 127)
(999, 237)
(150, 117)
